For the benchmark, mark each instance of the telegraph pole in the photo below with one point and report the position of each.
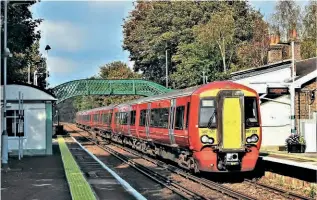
(166, 62)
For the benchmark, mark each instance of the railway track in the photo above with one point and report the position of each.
(205, 182)
(168, 183)
(174, 186)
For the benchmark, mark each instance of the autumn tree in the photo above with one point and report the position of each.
(253, 53)
(309, 46)
(218, 31)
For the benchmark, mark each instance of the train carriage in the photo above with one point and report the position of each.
(213, 128)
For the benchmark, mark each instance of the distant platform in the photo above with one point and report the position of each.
(303, 160)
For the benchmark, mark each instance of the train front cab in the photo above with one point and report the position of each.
(229, 132)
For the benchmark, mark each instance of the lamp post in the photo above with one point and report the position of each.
(166, 62)
(47, 48)
(4, 139)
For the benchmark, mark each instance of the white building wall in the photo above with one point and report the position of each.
(270, 77)
(34, 127)
(276, 121)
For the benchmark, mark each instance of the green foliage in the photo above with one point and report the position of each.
(309, 43)
(153, 25)
(219, 31)
(23, 42)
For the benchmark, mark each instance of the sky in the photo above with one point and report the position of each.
(84, 35)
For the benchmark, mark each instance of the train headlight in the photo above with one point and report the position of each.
(204, 139)
(252, 139)
(207, 140)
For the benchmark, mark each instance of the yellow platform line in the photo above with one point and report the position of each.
(79, 187)
(288, 155)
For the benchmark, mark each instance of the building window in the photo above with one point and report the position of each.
(13, 128)
(179, 118)
(142, 117)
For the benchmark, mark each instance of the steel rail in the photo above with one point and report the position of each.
(279, 190)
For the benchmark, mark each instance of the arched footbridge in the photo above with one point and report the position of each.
(107, 87)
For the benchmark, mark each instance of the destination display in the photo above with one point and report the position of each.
(277, 90)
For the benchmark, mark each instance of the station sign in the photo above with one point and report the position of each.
(277, 90)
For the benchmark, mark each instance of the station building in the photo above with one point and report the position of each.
(35, 105)
(273, 83)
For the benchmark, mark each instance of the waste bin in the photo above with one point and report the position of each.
(59, 130)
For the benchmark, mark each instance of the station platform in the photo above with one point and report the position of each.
(302, 160)
(35, 177)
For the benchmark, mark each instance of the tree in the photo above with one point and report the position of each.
(218, 31)
(113, 70)
(153, 24)
(286, 17)
(117, 70)
(309, 46)
(254, 53)
(22, 42)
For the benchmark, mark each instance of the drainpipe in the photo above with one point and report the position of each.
(292, 92)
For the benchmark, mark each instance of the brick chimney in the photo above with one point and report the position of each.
(279, 51)
(275, 49)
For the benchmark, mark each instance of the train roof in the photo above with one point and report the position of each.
(169, 95)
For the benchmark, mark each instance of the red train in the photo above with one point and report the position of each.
(213, 128)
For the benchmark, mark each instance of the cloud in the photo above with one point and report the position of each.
(130, 64)
(63, 35)
(61, 65)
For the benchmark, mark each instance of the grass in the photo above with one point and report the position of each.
(79, 187)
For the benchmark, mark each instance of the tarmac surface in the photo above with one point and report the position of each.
(35, 178)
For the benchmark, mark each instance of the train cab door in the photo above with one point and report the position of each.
(231, 119)
(171, 124)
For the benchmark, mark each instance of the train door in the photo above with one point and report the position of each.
(171, 124)
(181, 119)
(147, 122)
(129, 120)
(231, 115)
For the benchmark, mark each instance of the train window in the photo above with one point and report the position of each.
(159, 118)
(109, 118)
(133, 114)
(179, 118)
(164, 117)
(207, 114)
(142, 117)
(124, 118)
(117, 120)
(250, 112)
(187, 115)
(154, 117)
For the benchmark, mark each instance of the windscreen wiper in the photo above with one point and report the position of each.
(209, 125)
